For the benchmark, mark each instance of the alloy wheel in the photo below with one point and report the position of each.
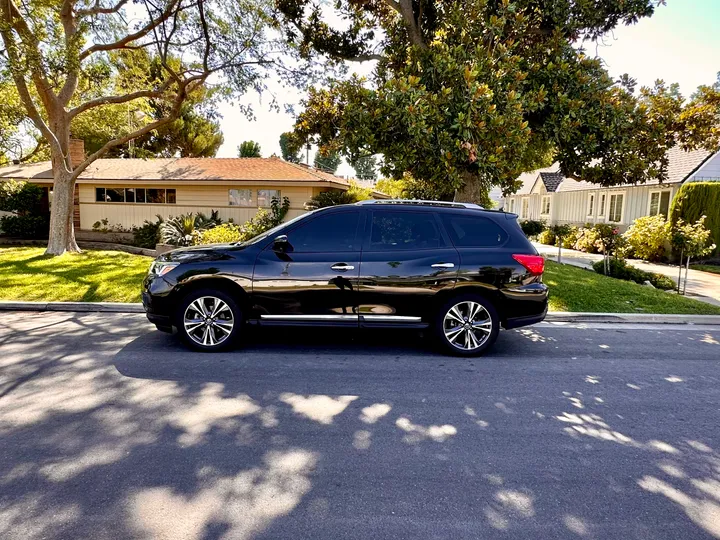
(208, 321)
(467, 325)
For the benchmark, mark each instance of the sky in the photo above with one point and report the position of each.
(680, 43)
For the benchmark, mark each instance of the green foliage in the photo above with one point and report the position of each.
(264, 220)
(226, 233)
(365, 168)
(532, 227)
(570, 237)
(148, 234)
(395, 189)
(288, 149)
(19, 197)
(249, 149)
(327, 161)
(547, 237)
(647, 236)
(692, 239)
(587, 239)
(697, 199)
(619, 269)
(330, 198)
(25, 226)
(609, 241)
(470, 94)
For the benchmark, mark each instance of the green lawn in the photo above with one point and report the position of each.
(713, 269)
(576, 289)
(91, 276)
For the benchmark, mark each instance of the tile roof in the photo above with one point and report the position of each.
(184, 169)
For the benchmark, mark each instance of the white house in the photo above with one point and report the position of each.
(547, 195)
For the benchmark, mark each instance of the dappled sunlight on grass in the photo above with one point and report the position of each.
(92, 276)
(577, 289)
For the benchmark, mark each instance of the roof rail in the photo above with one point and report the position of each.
(423, 203)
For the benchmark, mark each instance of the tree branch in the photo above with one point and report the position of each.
(114, 100)
(170, 9)
(98, 10)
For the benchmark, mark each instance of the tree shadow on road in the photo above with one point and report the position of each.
(126, 434)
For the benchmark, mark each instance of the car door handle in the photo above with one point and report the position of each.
(342, 267)
(443, 265)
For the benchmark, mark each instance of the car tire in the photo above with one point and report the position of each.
(208, 320)
(466, 325)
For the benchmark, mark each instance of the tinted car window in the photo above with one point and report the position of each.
(328, 233)
(473, 231)
(404, 230)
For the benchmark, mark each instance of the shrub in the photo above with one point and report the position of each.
(180, 230)
(331, 198)
(647, 237)
(222, 234)
(587, 238)
(532, 227)
(25, 226)
(621, 270)
(697, 199)
(547, 237)
(570, 239)
(104, 226)
(148, 234)
(19, 197)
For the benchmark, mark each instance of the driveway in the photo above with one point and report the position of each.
(111, 430)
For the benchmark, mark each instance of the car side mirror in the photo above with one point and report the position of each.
(281, 243)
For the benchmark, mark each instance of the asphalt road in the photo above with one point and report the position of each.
(111, 430)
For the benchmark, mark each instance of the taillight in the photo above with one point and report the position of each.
(534, 264)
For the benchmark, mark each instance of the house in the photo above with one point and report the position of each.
(546, 194)
(126, 192)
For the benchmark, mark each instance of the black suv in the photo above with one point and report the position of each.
(458, 269)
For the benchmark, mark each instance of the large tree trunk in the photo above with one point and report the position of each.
(474, 190)
(62, 233)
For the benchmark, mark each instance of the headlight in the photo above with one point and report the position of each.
(160, 268)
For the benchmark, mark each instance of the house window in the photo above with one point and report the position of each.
(135, 195)
(616, 207)
(511, 206)
(601, 208)
(659, 203)
(525, 203)
(265, 197)
(240, 197)
(591, 204)
(545, 209)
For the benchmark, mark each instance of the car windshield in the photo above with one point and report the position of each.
(262, 236)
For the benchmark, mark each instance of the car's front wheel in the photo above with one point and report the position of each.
(467, 325)
(208, 320)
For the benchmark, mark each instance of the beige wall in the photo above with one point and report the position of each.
(189, 199)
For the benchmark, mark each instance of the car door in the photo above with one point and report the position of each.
(312, 278)
(406, 260)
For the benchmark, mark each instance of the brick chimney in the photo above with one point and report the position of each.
(77, 152)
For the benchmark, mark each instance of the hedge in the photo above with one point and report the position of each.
(697, 199)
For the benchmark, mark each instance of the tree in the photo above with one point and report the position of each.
(365, 168)
(467, 95)
(327, 161)
(249, 149)
(290, 152)
(54, 50)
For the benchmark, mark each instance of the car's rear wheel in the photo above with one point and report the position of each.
(467, 325)
(208, 320)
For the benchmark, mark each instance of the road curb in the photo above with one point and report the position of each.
(631, 318)
(82, 307)
(552, 317)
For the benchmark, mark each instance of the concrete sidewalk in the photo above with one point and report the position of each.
(702, 286)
